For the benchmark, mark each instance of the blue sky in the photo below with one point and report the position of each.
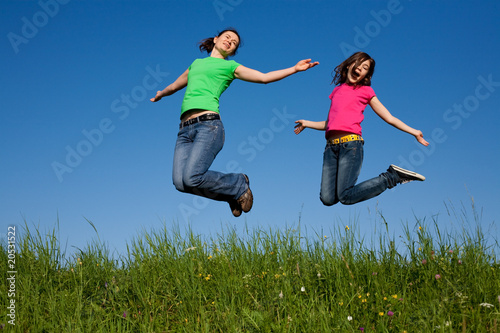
(80, 139)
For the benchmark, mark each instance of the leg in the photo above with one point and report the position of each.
(182, 150)
(207, 140)
(328, 192)
(350, 167)
(350, 162)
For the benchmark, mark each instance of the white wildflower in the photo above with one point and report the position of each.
(281, 294)
(303, 289)
(349, 318)
(486, 305)
(190, 249)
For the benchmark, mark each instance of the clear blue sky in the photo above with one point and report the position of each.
(80, 139)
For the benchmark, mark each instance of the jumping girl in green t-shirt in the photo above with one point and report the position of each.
(201, 133)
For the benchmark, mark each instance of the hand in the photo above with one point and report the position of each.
(305, 64)
(157, 97)
(420, 138)
(300, 126)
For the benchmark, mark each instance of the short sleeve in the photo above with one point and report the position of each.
(370, 93)
(234, 65)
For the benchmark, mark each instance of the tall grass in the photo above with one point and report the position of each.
(266, 280)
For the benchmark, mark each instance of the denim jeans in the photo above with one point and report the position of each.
(341, 167)
(196, 148)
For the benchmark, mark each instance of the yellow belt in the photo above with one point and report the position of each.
(347, 138)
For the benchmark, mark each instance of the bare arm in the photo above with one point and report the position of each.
(383, 113)
(174, 87)
(303, 124)
(252, 75)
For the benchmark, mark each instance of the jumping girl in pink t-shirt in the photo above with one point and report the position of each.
(343, 154)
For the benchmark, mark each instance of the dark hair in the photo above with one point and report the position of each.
(207, 44)
(357, 58)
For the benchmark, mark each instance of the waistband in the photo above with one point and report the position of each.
(203, 117)
(346, 138)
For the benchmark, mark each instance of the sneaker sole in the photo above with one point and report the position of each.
(417, 176)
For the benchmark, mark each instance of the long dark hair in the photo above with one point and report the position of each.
(207, 44)
(357, 58)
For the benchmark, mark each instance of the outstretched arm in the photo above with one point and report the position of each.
(303, 124)
(174, 87)
(251, 75)
(383, 113)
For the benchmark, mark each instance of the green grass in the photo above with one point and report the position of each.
(262, 281)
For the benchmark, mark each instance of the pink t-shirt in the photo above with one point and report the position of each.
(347, 107)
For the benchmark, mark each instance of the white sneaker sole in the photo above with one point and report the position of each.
(415, 175)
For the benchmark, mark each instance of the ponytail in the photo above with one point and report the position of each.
(206, 44)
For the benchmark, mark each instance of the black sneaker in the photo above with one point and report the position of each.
(406, 176)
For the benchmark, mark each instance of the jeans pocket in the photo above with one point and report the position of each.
(350, 145)
(214, 130)
(353, 148)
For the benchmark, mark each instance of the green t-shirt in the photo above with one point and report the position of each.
(207, 80)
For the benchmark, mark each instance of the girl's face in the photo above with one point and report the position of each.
(356, 74)
(227, 43)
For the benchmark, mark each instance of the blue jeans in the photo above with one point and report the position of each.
(341, 167)
(196, 148)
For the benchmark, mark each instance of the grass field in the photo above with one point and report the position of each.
(263, 281)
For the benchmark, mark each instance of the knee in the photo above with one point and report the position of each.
(179, 185)
(328, 201)
(186, 185)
